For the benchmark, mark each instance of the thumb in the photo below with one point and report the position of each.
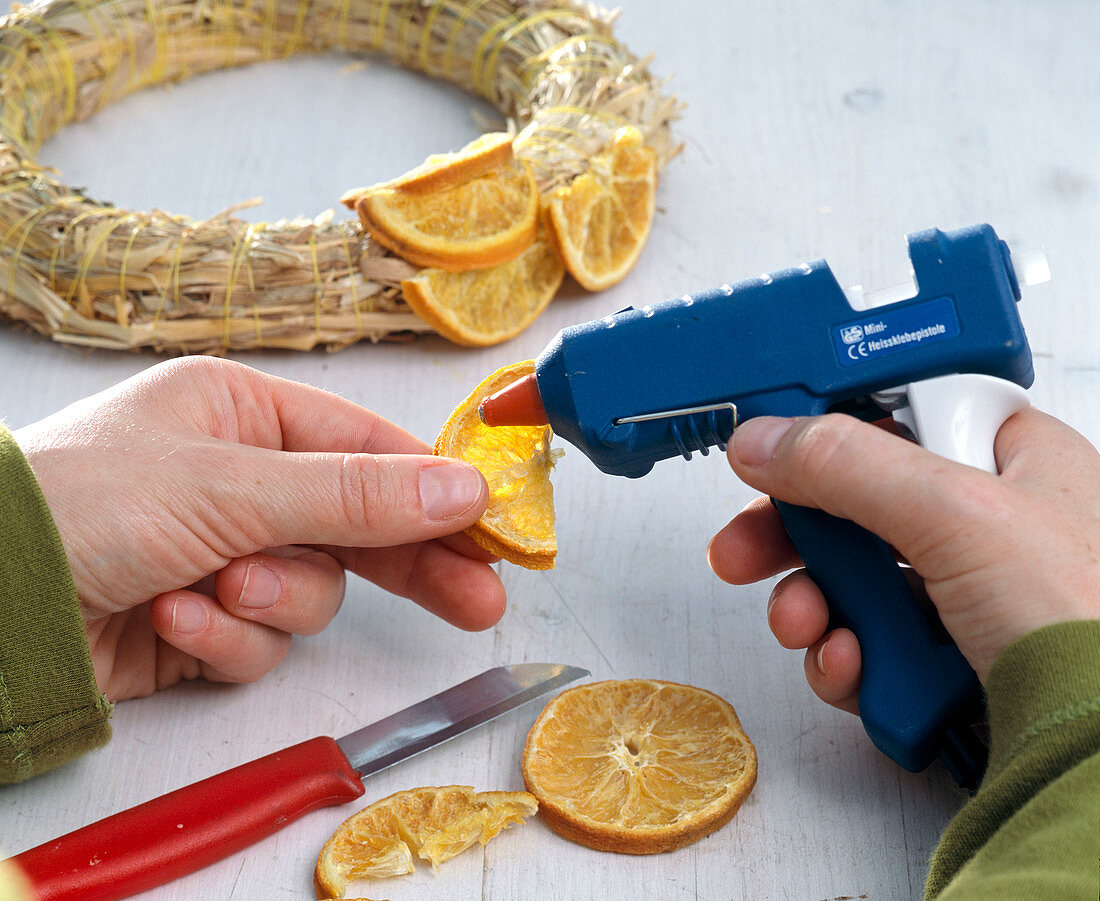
(352, 500)
(853, 470)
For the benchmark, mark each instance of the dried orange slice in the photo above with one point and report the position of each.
(435, 823)
(488, 306)
(445, 170)
(638, 766)
(454, 222)
(516, 462)
(602, 218)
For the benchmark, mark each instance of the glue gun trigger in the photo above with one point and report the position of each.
(955, 416)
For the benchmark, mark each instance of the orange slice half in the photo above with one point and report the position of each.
(459, 213)
(435, 823)
(601, 219)
(488, 306)
(446, 170)
(516, 462)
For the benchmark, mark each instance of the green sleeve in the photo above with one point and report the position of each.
(50, 708)
(1033, 828)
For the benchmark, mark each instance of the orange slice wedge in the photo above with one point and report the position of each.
(516, 462)
(446, 170)
(601, 219)
(488, 306)
(459, 213)
(435, 823)
(638, 766)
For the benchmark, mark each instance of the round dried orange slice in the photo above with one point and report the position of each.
(463, 223)
(601, 219)
(487, 306)
(518, 524)
(435, 823)
(638, 766)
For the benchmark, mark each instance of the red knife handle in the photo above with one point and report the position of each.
(192, 827)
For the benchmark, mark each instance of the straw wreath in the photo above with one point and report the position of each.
(85, 272)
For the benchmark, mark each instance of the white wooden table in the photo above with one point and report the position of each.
(813, 130)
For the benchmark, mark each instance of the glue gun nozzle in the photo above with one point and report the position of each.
(518, 404)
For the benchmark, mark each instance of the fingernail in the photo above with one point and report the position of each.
(447, 490)
(261, 587)
(755, 441)
(821, 658)
(188, 616)
(771, 603)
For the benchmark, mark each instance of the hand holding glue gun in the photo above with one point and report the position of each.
(998, 556)
(948, 357)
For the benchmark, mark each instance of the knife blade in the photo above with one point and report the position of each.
(194, 826)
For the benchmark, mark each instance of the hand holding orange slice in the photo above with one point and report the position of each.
(435, 823)
(516, 461)
(638, 766)
(471, 210)
(601, 219)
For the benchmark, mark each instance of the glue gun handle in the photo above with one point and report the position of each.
(916, 685)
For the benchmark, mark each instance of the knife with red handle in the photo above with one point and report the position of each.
(192, 827)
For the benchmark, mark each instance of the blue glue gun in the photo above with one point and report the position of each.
(947, 357)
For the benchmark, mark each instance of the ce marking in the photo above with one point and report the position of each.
(858, 351)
